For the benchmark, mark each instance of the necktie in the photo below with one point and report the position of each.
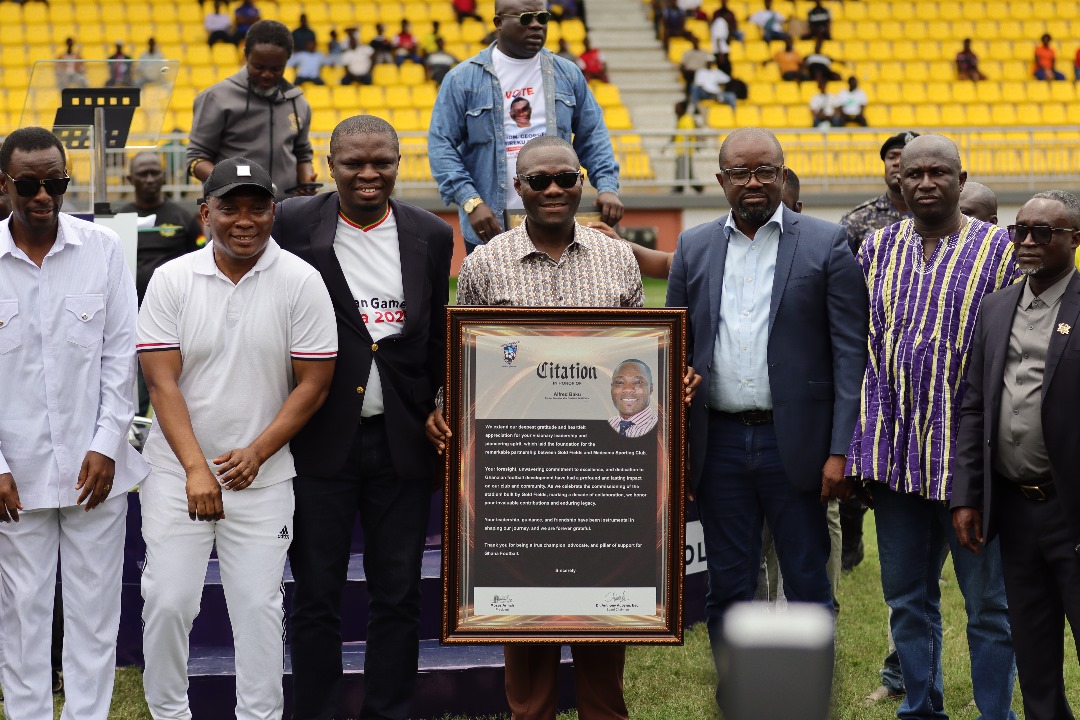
(625, 425)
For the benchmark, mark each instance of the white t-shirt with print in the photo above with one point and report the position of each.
(370, 258)
(522, 81)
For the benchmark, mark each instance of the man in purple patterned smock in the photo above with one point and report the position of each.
(926, 277)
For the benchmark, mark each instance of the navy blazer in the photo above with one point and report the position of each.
(412, 365)
(976, 439)
(818, 326)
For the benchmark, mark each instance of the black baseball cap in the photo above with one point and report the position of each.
(899, 140)
(228, 175)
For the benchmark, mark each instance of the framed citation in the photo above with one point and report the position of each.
(564, 475)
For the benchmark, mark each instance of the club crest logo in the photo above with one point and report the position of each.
(510, 353)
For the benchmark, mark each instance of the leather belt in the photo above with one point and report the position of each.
(750, 417)
(1038, 491)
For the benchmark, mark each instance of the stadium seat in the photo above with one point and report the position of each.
(720, 117)
(618, 118)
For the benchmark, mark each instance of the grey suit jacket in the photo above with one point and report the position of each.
(818, 321)
(979, 412)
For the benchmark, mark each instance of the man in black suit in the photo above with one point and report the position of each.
(387, 266)
(769, 436)
(1018, 445)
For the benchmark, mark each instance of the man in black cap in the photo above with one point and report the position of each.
(237, 343)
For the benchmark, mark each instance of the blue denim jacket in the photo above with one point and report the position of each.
(466, 146)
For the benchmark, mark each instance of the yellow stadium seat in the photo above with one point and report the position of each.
(939, 30)
(853, 11)
(787, 93)
(939, 92)
(424, 96)
(225, 55)
(442, 12)
(978, 114)
(775, 116)
(1029, 114)
(1003, 114)
(385, 74)
(989, 91)
(406, 120)
(904, 50)
(318, 96)
(61, 12)
(877, 115)
(747, 116)
(964, 28)
(892, 71)
(930, 50)
(763, 94)
(986, 29)
(618, 118)
(1044, 10)
(398, 97)
(12, 56)
(930, 116)
(1054, 114)
(964, 92)
(473, 31)
(371, 96)
(574, 30)
(879, 11)
(1072, 114)
(915, 94)
(606, 94)
(720, 117)
(1062, 91)
(411, 73)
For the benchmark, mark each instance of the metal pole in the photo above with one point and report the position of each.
(101, 200)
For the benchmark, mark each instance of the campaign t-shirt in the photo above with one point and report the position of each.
(524, 115)
(370, 258)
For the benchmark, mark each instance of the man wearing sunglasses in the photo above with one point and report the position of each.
(926, 278)
(765, 285)
(1018, 445)
(594, 270)
(67, 347)
(477, 129)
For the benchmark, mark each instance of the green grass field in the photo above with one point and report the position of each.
(677, 683)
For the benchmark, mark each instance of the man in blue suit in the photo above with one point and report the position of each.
(778, 327)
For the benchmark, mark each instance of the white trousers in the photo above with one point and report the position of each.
(252, 542)
(90, 546)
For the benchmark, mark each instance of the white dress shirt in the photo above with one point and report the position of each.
(67, 356)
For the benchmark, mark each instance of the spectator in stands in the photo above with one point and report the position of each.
(693, 59)
(244, 17)
(466, 9)
(303, 34)
(691, 8)
(711, 83)
(357, 61)
(438, 63)
(567, 54)
(967, 64)
(823, 107)
(384, 48)
(428, 43)
(819, 65)
(819, 21)
(405, 45)
(256, 114)
(789, 61)
(719, 32)
(595, 66)
(150, 64)
(734, 33)
(218, 25)
(71, 72)
(684, 148)
(474, 170)
(673, 23)
(174, 230)
(564, 9)
(309, 64)
(120, 70)
(1045, 58)
(771, 23)
(334, 49)
(850, 104)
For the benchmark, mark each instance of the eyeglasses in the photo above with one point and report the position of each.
(765, 174)
(1040, 234)
(541, 17)
(539, 183)
(29, 188)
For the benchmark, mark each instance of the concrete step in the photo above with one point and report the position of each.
(644, 59)
(624, 39)
(457, 680)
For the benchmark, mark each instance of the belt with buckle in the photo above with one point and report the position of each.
(1038, 492)
(751, 417)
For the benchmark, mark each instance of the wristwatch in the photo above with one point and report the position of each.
(471, 204)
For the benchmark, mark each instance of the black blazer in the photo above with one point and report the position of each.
(817, 348)
(411, 365)
(979, 413)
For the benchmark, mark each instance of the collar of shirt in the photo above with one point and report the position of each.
(777, 217)
(524, 247)
(204, 263)
(8, 246)
(1050, 295)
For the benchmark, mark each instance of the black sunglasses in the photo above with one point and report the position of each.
(1040, 234)
(29, 188)
(541, 17)
(539, 183)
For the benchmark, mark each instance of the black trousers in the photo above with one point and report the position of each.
(394, 515)
(1042, 584)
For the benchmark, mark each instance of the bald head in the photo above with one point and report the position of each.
(979, 202)
(938, 147)
(749, 137)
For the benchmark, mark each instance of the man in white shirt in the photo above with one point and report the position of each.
(237, 343)
(770, 22)
(823, 107)
(851, 103)
(67, 333)
(711, 83)
(357, 61)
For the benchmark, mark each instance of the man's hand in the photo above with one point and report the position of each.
(967, 524)
(611, 208)
(95, 479)
(238, 468)
(305, 174)
(484, 223)
(438, 432)
(604, 228)
(690, 383)
(204, 495)
(9, 499)
(833, 482)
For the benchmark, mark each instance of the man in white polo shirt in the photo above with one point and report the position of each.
(237, 343)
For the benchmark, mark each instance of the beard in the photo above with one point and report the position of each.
(755, 217)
